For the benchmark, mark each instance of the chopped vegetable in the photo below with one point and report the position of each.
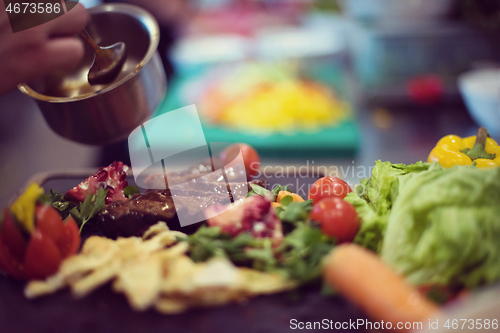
(453, 150)
(269, 98)
(444, 228)
(365, 280)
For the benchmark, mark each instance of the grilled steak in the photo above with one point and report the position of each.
(133, 217)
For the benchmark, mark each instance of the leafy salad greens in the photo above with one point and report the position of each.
(373, 200)
(435, 226)
(298, 257)
(82, 212)
(444, 228)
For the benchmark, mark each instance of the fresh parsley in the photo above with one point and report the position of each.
(90, 207)
(298, 257)
(293, 212)
(259, 190)
(82, 212)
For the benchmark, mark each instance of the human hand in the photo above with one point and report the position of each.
(33, 53)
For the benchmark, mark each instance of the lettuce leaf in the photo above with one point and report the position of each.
(444, 228)
(374, 198)
(373, 225)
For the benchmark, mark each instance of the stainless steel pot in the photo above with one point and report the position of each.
(106, 113)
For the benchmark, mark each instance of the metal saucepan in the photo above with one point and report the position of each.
(103, 114)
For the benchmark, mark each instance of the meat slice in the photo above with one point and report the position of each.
(133, 217)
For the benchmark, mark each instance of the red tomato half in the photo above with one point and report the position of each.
(327, 187)
(250, 157)
(12, 237)
(42, 256)
(65, 235)
(71, 241)
(9, 263)
(337, 219)
(48, 220)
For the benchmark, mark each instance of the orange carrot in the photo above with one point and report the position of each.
(364, 279)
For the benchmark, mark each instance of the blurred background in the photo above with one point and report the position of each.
(337, 83)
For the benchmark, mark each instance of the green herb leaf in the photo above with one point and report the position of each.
(285, 201)
(304, 249)
(61, 206)
(75, 213)
(130, 190)
(92, 205)
(58, 201)
(296, 211)
(82, 212)
(260, 190)
(278, 188)
(299, 257)
(44, 198)
(86, 208)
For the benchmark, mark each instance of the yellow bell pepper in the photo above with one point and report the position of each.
(24, 207)
(454, 150)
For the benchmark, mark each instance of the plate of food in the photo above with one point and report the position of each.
(86, 252)
(280, 109)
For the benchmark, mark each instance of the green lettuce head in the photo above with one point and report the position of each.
(444, 227)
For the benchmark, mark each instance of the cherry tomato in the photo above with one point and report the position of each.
(42, 256)
(250, 157)
(337, 219)
(327, 187)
